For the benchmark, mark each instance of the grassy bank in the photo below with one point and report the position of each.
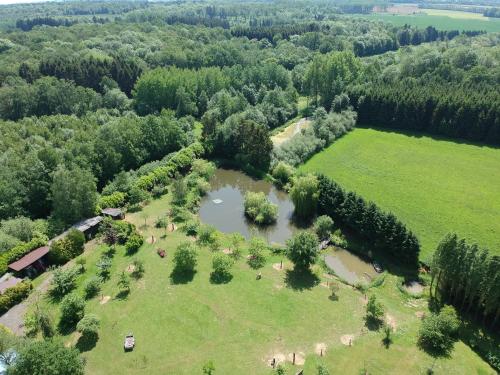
(179, 326)
(434, 186)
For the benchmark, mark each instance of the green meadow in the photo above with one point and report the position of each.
(434, 186)
(440, 21)
(180, 325)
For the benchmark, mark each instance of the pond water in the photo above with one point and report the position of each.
(348, 266)
(223, 208)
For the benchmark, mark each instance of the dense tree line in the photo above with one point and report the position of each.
(28, 23)
(492, 12)
(458, 112)
(384, 231)
(467, 277)
(270, 33)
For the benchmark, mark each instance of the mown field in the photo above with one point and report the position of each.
(242, 324)
(440, 20)
(434, 186)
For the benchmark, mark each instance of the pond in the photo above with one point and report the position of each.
(348, 266)
(223, 208)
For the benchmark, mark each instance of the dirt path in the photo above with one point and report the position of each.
(14, 318)
(290, 131)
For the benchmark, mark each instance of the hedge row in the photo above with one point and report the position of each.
(179, 163)
(12, 296)
(384, 231)
(18, 252)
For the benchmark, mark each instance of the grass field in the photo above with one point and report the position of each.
(434, 186)
(440, 21)
(242, 324)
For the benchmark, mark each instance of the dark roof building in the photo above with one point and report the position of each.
(115, 213)
(29, 259)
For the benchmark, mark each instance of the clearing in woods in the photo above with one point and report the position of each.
(434, 186)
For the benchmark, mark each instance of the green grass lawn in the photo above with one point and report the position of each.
(434, 186)
(440, 22)
(242, 324)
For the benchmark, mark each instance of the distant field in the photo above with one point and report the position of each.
(434, 186)
(442, 20)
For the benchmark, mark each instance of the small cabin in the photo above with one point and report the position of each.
(31, 264)
(89, 227)
(114, 213)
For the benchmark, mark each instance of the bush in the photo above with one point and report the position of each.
(117, 199)
(185, 257)
(63, 281)
(438, 332)
(138, 271)
(374, 310)
(192, 227)
(13, 295)
(338, 239)
(302, 249)
(88, 326)
(221, 265)
(259, 209)
(104, 267)
(283, 174)
(72, 309)
(133, 243)
(68, 247)
(38, 321)
(92, 287)
(323, 226)
(304, 195)
(207, 234)
(256, 250)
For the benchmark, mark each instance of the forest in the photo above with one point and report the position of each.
(109, 104)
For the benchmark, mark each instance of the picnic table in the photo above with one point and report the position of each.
(129, 342)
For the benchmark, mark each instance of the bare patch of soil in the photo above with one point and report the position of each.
(130, 268)
(104, 300)
(391, 321)
(278, 266)
(347, 340)
(151, 240)
(227, 251)
(320, 349)
(172, 227)
(276, 359)
(299, 358)
(420, 314)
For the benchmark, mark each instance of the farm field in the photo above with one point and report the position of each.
(434, 186)
(441, 20)
(246, 322)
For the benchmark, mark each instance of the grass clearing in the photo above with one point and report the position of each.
(245, 323)
(456, 14)
(440, 22)
(434, 186)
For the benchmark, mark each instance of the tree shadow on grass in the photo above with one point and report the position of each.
(299, 279)
(333, 297)
(123, 294)
(373, 324)
(65, 328)
(181, 277)
(86, 343)
(220, 278)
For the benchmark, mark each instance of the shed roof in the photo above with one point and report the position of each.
(29, 258)
(112, 212)
(86, 224)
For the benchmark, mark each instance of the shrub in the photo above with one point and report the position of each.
(63, 281)
(203, 168)
(88, 326)
(133, 243)
(259, 209)
(438, 332)
(206, 234)
(221, 265)
(185, 257)
(304, 195)
(117, 199)
(374, 310)
(323, 226)
(283, 173)
(92, 287)
(68, 247)
(38, 321)
(338, 239)
(192, 227)
(138, 268)
(124, 282)
(302, 249)
(13, 295)
(104, 267)
(256, 250)
(72, 309)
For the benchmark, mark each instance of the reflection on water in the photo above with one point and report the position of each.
(230, 186)
(348, 266)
